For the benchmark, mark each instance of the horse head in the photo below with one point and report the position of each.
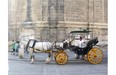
(67, 43)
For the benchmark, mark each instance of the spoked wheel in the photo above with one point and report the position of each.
(95, 56)
(61, 58)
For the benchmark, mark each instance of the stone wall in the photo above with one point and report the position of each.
(76, 10)
(54, 19)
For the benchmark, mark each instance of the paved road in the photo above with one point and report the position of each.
(73, 67)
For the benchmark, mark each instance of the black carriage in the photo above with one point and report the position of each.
(90, 52)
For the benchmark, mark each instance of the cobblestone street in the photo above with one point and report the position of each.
(73, 67)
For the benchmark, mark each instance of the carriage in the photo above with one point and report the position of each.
(90, 52)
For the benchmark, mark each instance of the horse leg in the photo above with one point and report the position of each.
(32, 59)
(48, 58)
(31, 55)
(21, 51)
(26, 49)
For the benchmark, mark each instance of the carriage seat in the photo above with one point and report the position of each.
(90, 43)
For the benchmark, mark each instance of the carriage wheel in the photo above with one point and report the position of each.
(55, 54)
(85, 57)
(61, 58)
(95, 56)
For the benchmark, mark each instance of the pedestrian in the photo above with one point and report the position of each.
(17, 47)
(13, 47)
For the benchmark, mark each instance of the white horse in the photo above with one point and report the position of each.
(44, 47)
(33, 46)
(37, 46)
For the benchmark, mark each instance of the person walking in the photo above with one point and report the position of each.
(13, 47)
(16, 47)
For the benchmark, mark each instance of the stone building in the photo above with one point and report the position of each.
(52, 20)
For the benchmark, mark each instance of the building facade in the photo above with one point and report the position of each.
(52, 20)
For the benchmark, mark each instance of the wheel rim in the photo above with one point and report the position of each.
(95, 56)
(61, 58)
(55, 54)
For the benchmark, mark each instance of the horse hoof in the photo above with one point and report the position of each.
(31, 62)
(47, 62)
